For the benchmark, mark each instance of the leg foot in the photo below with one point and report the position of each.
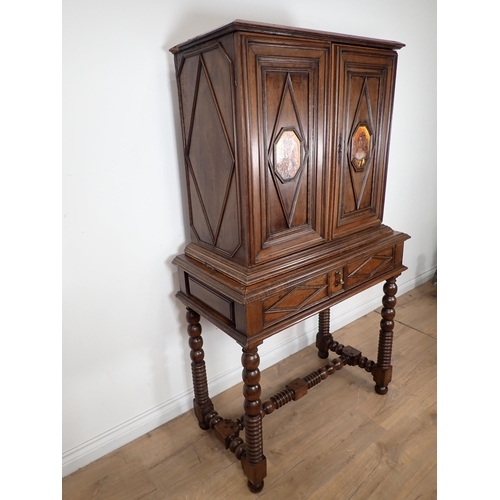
(255, 488)
(381, 389)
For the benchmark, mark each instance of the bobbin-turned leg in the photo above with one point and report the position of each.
(382, 371)
(323, 337)
(202, 404)
(253, 461)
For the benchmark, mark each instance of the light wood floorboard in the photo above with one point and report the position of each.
(341, 441)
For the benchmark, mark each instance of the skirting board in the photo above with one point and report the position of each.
(134, 428)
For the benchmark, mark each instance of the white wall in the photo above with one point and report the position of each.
(126, 366)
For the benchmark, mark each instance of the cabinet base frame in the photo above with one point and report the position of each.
(227, 431)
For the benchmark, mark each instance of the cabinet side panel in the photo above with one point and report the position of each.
(206, 90)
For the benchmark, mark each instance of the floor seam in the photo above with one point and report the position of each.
(415, 329)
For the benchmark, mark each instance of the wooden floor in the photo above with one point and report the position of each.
(341, 441)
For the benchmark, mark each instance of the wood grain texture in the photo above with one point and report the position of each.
(341, 441)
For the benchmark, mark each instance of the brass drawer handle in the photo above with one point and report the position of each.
(338, 278)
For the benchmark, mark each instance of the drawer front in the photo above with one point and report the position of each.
(214, 300)
(367, 268)
(298, 298)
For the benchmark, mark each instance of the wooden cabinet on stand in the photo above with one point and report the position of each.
(286, 141)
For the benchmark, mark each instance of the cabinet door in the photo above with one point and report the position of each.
(365, 79)
(287, 86)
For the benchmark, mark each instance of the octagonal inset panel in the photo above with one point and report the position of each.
(287, 154)
(361, 144)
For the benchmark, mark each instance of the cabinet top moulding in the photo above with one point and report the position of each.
(273, 29)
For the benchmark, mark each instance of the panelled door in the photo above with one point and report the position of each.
(366, 84)
(287, 99)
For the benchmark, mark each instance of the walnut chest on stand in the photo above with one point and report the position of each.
(286, 141)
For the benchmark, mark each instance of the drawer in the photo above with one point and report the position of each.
(300, 297)
(215, 300)
(369, 267)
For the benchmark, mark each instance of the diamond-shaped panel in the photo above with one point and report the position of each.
(209, 151)
(371, 266)
(365, 269)
(299, 298)
(361, 145)
(288, 149)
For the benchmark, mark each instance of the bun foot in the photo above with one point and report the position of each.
(323, 355)
(255, 488)
(381, 389)
(204, 426)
